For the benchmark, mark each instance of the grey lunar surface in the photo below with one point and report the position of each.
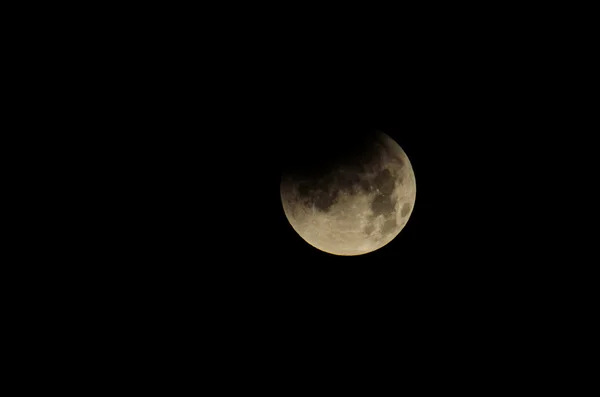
(355, 207)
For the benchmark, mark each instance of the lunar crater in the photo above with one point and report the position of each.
(405, 210)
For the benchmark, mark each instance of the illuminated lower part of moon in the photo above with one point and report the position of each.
(356, 209)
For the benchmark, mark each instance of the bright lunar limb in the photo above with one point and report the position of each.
(355, 206)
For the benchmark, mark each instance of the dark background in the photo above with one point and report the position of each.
(190, 123)
(223, 120)
(219, 191)
(200, 122)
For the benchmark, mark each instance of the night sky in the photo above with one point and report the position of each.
(220, 141)
(193, 125)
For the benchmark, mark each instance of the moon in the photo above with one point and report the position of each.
(354, 203)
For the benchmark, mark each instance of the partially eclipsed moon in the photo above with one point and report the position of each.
(355, 206)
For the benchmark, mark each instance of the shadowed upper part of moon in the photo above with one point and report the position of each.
(347, 165)
(328, 152)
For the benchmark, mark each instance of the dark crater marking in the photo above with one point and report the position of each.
(405, 210)
(382, 205)
(365, 186)
(324, 200)
(389, 226)
(321, 193)
(384, 181)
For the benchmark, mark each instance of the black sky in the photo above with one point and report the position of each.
(227, 154)
(191, 117)
(226, 117)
